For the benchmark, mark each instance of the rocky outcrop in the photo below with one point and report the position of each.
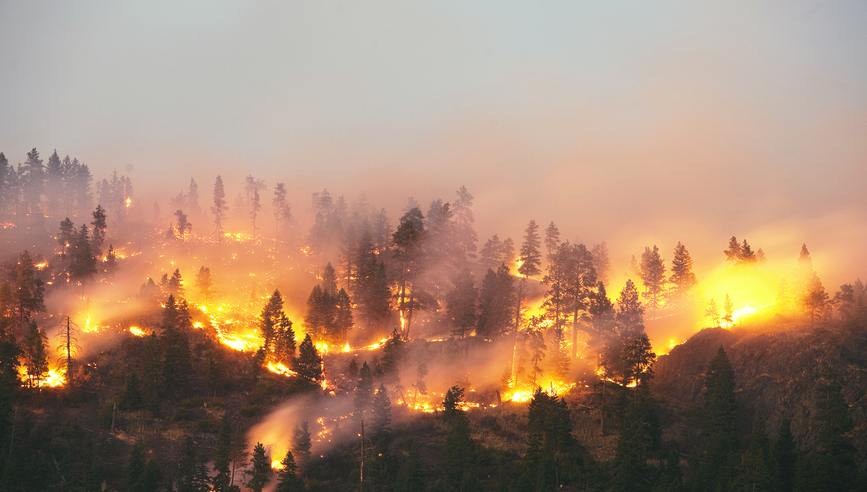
(776, 372)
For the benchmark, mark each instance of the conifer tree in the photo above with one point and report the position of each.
(132, 398)
(496, 301)
(530, 258)
(309, 362)
(27, 291)
(410, 477)
(552, 239)
(785, 457)
(728, 309)
(712, 312)
(717, 464)
(99, 227)
(269, 320)
(652, 273)
(754, 471)
(82, 260)
(631, 471)
(35, 354)
(601, 262)
(260, 471)
(135, 466)
(630, 312)
(220, 207)
(461, 303)
(343, 321)
(559, 356)
(380, 424)
(682, 279)
(491, 253)
(733, 253)
(287, 478)
(301, 443)
(204, 282)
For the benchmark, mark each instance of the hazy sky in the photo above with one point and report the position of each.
(633, 122)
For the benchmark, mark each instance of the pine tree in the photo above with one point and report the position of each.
(712, 312)
(220, 207)
(281, 207)
(552, 239)
(135, 469)
(491, 254)
(682, 279)
(461, 303)
(380, 424)
(785, 457)
(733, 253)
(82, 260)
(343, 321)
(35, 354)
(464, 233)
(222, 457)
(309, 362)
(754, 471)
(630, 312)
(728, 309)
(559, 356)
(631, 471)
(530, 258)
(287, 478)
(186, 471)
(301, 443)
(832, 463)
(260, 470)
(601, 262)
(410, 477)
(184, 225)
(652, 273)
(99, 227)
(496, 301)
(720, 426)
(27, 291)
(204, 282)
(460, 450)
(269, 320)
(132, 398)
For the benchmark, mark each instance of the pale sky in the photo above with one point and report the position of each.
(631, 122)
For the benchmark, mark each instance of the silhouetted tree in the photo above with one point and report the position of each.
(652, 273)
(461, 303)
(260, 471)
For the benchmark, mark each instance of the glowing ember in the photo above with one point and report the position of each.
(42, 265)
(135, 330)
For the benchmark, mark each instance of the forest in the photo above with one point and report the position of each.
(319, 343)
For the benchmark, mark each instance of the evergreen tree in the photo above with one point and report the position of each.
(99, 228)
(35, 355)
(712, 312)
(222, 457)
(832, 463)
(65, 238)
(461, 303)
(754, 471)
(464, 233)
(82, 260)
(269, 320)
(733, 253)
(652, 273)
(281, 207)
(496, 301)
(301, 443)
(184, 225)
(410, 477)
(380, 424)
(630, 312)
(135, 469)
(27, 291)
(785, 457)
(287, 478)
(459, 452)
(530, 258)
(343, 320)
(110, 260)
(408, 253)
(260, 471)
(552, 239)
(309, 362)
(631, 472)
(132, 398)
(717, 464)
(186, 472)
(601, 262)
(728, 309)
(559, 356)
(491, 254)
(204, 282)
(284, 340)
(220, 207)
(682, 279)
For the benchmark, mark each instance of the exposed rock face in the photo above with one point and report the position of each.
(775, 372)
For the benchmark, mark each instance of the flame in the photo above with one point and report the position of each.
(279, 368)
(128, 202)
(135, 330)
(55, 378)
(40, 266)
(742, 311)
(277, 465)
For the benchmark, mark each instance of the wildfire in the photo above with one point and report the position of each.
(53, 379)
(135, 330)
(40, 266)
(246, 343)
(128, 202)
(279, 368)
